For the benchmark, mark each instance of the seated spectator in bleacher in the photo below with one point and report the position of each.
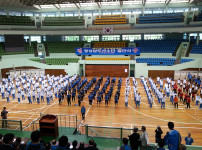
(7, 142)
(35, 142)
(92, 145)
(134, 139)
(74, 144)
(63, 143)
(53, 145)
(125, 144)
(1, 139)
(189, 140)
(172, 137)
(81, 146)
(161, 144)
(18, 145)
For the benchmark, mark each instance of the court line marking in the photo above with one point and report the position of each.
(38, 111)
(12, 107)
(192, 116)
(158, 118)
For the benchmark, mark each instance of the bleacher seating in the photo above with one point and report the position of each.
(107, 59)
(15, 20)
(157, 61)
(160, 61)
(63, 47)
(58, 61)
(110, 19)
(63, 21)
(110, 44)
(186, 60)
(161, 18)
(197, 49)
(28, 49)
(157, 46)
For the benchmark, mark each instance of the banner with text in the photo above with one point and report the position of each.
(108, 51)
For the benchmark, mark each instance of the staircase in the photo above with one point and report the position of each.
(174, 53)
(177, 61)
(46, 49)
(189, 49)
(35, 50)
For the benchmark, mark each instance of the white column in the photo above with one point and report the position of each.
(79, 13)
(30, 41)
(7, 13)
(58, 14)
(99, 13)
(197, 39)
(143, 11)
(121, 11)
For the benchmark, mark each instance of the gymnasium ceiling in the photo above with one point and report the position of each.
(59, 4)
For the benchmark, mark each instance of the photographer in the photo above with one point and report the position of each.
(158, 134)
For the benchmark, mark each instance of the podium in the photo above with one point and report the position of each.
(49, 126)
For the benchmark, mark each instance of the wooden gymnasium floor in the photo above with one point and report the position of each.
(186, 121)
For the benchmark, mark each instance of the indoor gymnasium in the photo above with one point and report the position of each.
(101, 74)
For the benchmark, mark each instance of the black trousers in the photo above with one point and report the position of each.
(188, 105)
(4, 123)
(83, 116)
(79, 102)
(59, 101)
(106, 102)
(176, 104)
(73, 98)
(69, 101)
(90, 102)
(185, 100)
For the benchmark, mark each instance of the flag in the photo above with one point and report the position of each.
(108, 30)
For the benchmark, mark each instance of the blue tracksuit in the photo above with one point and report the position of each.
(189, 140)
(172, 139)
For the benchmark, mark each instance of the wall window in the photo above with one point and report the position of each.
(90, 38)
(116, 13)
(26, 38)
(131, 37)
(28, 14)
(126, 13)
(44, 38)
(2, 13)
(69, 15)
(70, 38)
(194, 35)
(148, 12)
(36, 39)
(110, 37)
(87, 14)
(95, 14)
(153, 36)
(2, 39)
(137, 12)
(106, 13)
